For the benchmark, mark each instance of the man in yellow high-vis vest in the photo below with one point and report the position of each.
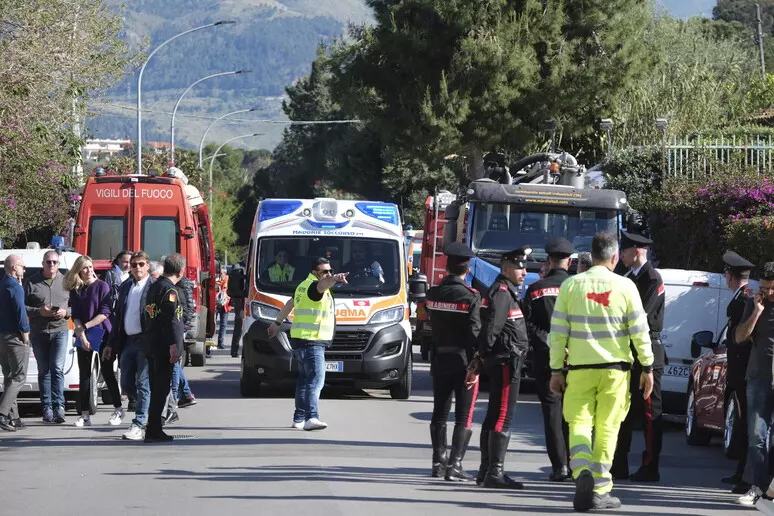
(314, 323)
(596, 317)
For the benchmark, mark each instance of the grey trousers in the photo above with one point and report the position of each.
(14, 357)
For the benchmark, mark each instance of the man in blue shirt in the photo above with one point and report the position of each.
(14, 341)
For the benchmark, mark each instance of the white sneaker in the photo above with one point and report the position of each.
(117, 417)
(83, 421)
(750, 497)
(298, 426)
(315, 424)
(135, 433)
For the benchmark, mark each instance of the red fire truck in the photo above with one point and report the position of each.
(432, 264)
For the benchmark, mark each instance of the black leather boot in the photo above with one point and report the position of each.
(460, 440)
(482, 469)
(495, 475)
(440, 457)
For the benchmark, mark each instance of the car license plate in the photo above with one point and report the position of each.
(676, 370)
(334, 367)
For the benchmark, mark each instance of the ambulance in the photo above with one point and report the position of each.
(371, 347)
(160, 215)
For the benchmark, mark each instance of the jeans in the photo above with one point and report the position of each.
(50, 352)
(239, 316)
(222, 316)
(760, 417)
(135, 380)
(311, 378)
(14, 357)
(179, 386)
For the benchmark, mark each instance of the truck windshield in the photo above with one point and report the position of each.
(503, 227)
(373, 264)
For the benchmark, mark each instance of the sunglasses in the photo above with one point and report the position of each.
(51, 262)
(135, 265)
(325, 271)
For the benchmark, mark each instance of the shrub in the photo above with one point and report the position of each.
(637, 173)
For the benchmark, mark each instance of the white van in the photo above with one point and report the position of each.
(695, 301)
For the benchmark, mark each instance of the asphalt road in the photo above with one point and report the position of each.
(239, 456)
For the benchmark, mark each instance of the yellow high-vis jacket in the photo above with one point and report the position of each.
(598, 314)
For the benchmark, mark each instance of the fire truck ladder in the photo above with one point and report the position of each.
(436, 236)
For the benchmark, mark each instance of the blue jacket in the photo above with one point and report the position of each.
(13, 313)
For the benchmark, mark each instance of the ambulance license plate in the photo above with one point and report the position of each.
(676, 370)
(334, 367)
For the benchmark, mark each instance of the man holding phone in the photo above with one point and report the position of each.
(46, 301)
(758, 326)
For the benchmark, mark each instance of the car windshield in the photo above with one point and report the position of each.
(373, 264)
(502, 227)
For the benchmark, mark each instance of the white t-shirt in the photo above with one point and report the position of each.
(132, 321)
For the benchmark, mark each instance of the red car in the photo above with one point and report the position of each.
(711, 411)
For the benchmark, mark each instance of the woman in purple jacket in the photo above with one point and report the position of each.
(90, 304)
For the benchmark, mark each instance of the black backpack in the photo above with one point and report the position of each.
(236, 282)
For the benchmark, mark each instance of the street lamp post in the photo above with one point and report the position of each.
(179, 100)
(201, 144)
(139, 84)
(215, 154)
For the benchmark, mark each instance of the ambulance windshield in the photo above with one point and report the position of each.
(503, 227)
(373, 264)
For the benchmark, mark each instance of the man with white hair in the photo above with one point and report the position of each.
(155, 269)
(14, 341)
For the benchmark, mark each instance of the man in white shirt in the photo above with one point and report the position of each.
(128, 339)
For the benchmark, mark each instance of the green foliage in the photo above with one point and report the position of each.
(636, 172)
(55, 57)
(755, 235)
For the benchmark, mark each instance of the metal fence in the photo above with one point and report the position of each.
(698, 155)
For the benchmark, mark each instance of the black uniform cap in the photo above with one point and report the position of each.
(631, 239)
(458, 250)
(736, 263)
(559, 247)
(518, 256)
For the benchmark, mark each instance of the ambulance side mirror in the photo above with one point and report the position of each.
(417, 285)
(702, 339)
(452, 215)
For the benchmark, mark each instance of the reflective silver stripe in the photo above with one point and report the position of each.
(633, 316)
(640, 328)
(306, 326)
(597, 467)
(559, 315)
(577, 464)
(580, 448)
(598, 334)
(601, 481)
(307, 311)
(598, 319)
(557, 329)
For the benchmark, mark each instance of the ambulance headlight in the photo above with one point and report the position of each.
(387, 316)
(263, 311)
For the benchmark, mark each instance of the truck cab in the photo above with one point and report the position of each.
(371, 347)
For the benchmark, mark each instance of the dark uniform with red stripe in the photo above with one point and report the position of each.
(454, 310)
(539, 304)
(503, 345)
(738, 356)
(651, 289)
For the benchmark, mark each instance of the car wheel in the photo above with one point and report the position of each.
(732, 420)
(402, 389)
(694, 435)
(249, 384)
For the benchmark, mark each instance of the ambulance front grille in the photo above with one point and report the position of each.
(350, 341)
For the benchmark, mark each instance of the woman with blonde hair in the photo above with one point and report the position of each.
(90, 304)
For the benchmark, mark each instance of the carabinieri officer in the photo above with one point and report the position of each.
(454, 314)
(503, 345)
(539, 304)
